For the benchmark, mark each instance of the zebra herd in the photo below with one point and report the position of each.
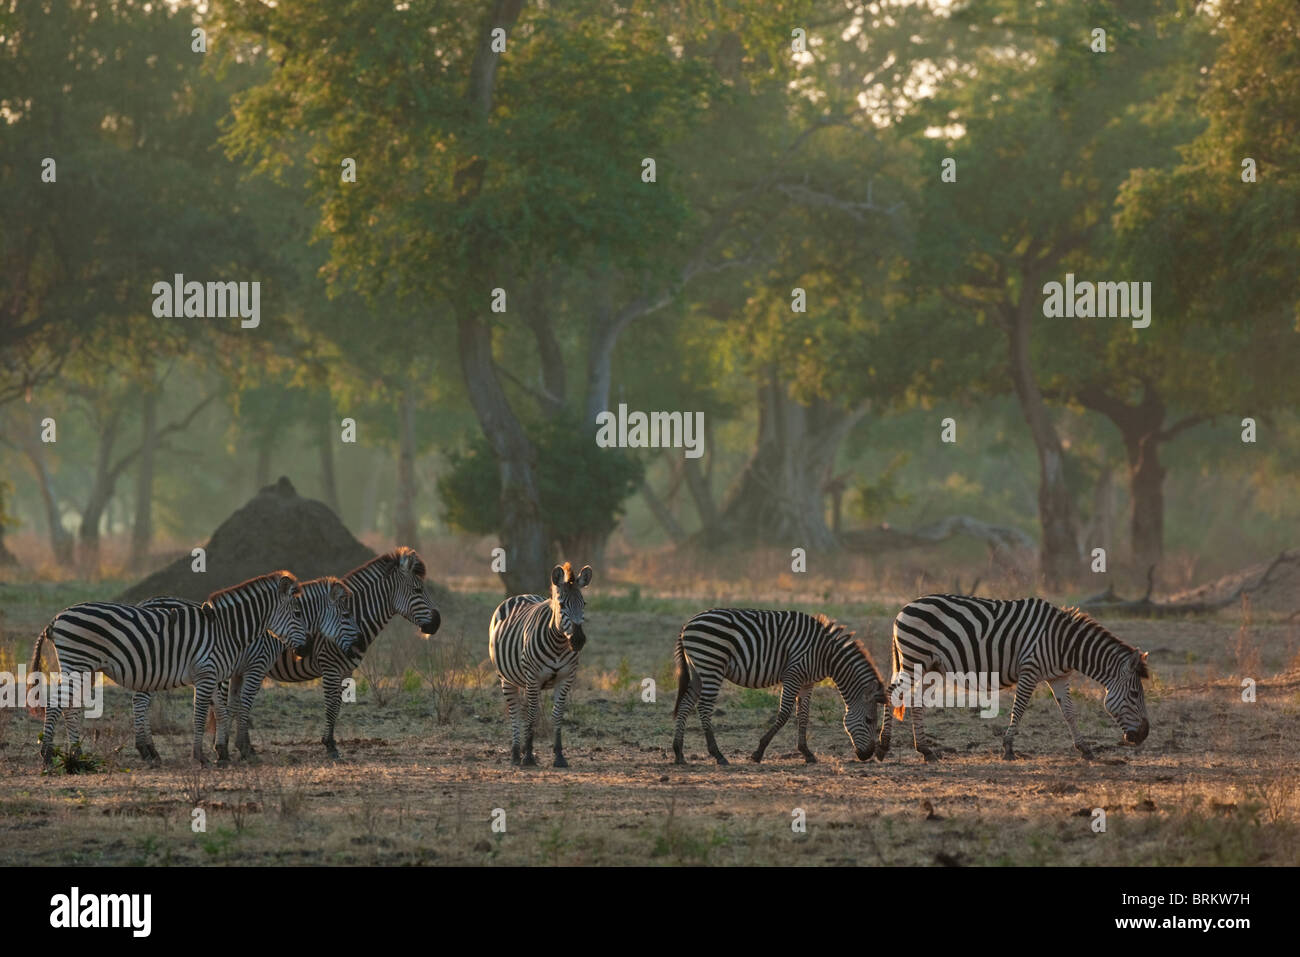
(292, 631)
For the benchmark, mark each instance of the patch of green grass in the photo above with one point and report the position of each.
(756, 698)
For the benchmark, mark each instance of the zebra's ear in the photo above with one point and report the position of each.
(337, 591)
(406, 560)
(557, 575)
(207, 610)
(584, 576)
(286, 584)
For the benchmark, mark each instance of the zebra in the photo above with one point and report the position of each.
(153, 649)
(386, 586)
(757, 649)
(1021, 642)
(327, 610)
(534, 642)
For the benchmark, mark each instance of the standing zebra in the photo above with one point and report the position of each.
(386, 586)
(1019, 643)
(534, 642)
(327, 610)
(153, 649)
(758, 649)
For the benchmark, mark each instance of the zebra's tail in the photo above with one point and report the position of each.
(896, 660)
(37, 666)
(683, 672)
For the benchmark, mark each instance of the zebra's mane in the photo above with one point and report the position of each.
(839, 633)
(1079, 616)
(391, 560)
(256, 579)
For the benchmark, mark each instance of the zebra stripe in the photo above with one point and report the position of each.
(1021, 642)
(154, 648)
(387, 586)
(534, 642)
(326, 607)
(758, 649)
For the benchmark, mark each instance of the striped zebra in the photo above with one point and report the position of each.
(153, 649)
(1019, 643)
(758, 649)
(389, 585)
(327, 611)
(534, 642)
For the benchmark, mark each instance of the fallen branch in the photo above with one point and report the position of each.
(1145, 607)
(884, 537)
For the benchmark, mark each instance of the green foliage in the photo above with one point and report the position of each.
(873, 500)
(582, 491)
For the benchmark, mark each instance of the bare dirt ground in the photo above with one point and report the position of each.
(426, 768)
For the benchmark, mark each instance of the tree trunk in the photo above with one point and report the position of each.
(100, 492)
(329, 483)
(523, 534)
(7, 558)
(779, 498)
(1142, 428)
(142, 527)
(404, 521)
(369, 502)
(1059, 555)
(62, 543)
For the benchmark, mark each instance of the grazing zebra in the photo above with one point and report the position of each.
(1021, 643)
(153, 649)
(327, 610)
(534, 642)
(386, 586)
(758, 649)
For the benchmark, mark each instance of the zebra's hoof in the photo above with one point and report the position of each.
(721, 759)
(528, 761)
(810, 758)
(930, 756)
(757, 757)
(1086, 754)
(679, 760)
(1009, 755)
(559, 762)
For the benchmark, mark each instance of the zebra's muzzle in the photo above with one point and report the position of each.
(578, 639)
(1138, 736)
(431, 626)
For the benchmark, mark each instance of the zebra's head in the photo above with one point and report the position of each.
(411, 597)
(567, 603)
(859, 682)
(338, 622)
(286, 620)
(1125, 701)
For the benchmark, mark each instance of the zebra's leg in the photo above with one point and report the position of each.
(1024, 691)
(709, 698)
(221, 717)
(685, 706)
(1061, 692)
(557, 716)
(804, 705)
(511, 693)
(52, 714)
(533, 694)
(887, 723)
(250, 683)
(226, 694)
(789, 695)
(332, 682)
(72, 716)
(205, 687)
(920, 741)
(141, 703)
